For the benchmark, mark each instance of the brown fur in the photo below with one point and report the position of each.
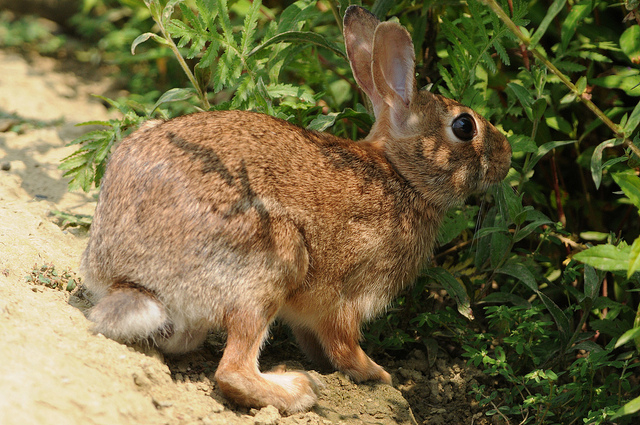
(231, 219)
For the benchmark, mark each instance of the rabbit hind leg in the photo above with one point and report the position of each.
(240, 379)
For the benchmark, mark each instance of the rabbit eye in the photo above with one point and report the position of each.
(464, 127)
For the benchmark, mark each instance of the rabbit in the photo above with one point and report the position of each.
(230, 219)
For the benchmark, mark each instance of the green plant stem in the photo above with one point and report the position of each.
(336, 14)
(537, 52)
(201, 94)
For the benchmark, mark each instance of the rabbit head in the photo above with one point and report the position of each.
(434, 142)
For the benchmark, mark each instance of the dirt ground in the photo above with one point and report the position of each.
(55, 370)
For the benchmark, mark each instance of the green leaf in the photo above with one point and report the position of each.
(630, 43)
(505, 297)
(577, 13)
(522, 143)
(626, 79)
(634, 258)
(596, 159)
(553, 10)
(381, 7)
(521, 273)
(322, 122)
(634, 119)
(545, 149)
(629, 335)
(300, 37)
(173, 95)
(249, 27)
(606, 257)
(558, 316)
(631, 407)
(525, 98)
(455, 222)
(144, 37)
(630, 185)
(292, 16)
(454, 288)
(591, 282)
(277, 91)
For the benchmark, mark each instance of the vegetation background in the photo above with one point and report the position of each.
(537, 282)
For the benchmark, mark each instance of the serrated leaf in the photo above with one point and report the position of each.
(300, 37)
(568, 66)
(208, 10)
(76, 160)
(249, 27)
(502, 52)
(225, 23)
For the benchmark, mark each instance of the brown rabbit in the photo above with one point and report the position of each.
(232, 219)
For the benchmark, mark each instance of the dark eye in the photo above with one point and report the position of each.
(464, 127)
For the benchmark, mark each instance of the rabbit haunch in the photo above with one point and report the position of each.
(231, 219)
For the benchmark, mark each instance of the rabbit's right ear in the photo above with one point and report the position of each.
(359, 26)
(393, 72)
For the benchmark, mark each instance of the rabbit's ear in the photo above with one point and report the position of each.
(359, 28)
(393, 70)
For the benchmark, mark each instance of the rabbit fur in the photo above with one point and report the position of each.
(231, 219)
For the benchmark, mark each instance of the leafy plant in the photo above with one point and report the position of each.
(547, 264)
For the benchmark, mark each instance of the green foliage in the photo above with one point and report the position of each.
(47, 275)
(29, 32)
(541, 273)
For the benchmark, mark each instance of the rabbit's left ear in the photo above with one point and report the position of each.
(393, 69)
(359, 28)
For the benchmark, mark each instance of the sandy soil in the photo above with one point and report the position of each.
(55, 370)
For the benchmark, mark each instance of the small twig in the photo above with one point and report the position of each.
(500, 413)
(556, 187)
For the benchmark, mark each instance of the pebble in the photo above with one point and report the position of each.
(5, 166)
